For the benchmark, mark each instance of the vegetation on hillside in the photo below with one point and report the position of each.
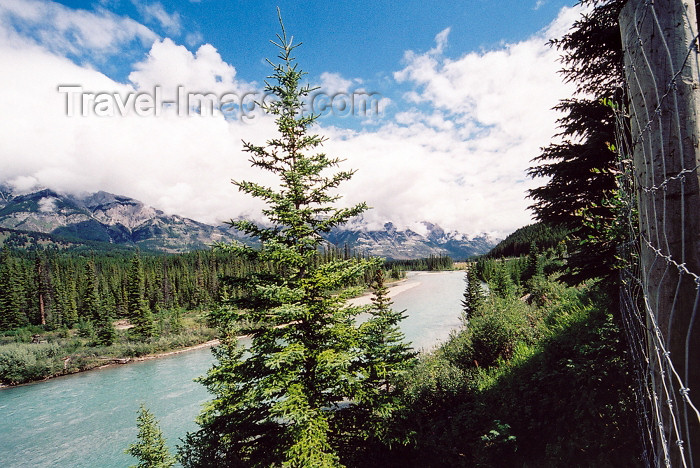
(58, 310)
(520, 241)
(431, 263)
(538, 377)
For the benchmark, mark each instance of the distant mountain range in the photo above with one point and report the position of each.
(407, 244)
(114, 219)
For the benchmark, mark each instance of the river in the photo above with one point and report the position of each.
(87, 419)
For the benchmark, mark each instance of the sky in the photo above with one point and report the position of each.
(457, 96)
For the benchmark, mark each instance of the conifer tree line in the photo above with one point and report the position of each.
(62, 289)
(430, 263)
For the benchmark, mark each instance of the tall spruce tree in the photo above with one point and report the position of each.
(11, 291)
(278, 402)
(582, 167)
(90, 305)
(534, 265)
(139, 313)
(386, 358)
(473, 295)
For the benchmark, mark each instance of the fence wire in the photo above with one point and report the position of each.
(658, 189)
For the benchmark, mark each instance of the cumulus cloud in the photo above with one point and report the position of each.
(454, 153)
(194, 38)
(332, 83)
(490, 113)
(181, 164)
(169, 66)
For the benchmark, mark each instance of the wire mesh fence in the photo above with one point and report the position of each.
(657, 140)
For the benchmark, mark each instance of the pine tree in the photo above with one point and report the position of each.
(43, 290)
(580, 166)
(151, 449)
(473, 295)
(386, 357)
(276, 404)
(534, 263)
(11, 291)
(502, 285)
(106, 332)
(138, 311)
(90, 305)
(70, 300)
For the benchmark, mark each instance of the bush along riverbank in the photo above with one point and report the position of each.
(538, 376)
(33, 353)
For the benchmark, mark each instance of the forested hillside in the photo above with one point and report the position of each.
(519, 242)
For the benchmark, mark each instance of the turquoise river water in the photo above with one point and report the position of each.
(87, 419)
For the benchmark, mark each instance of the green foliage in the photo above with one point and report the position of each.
(385, 359)
(557, 390)
(24, 363)
(497, 445)
(85, 328)
(90, 305)
(473, 294)
(431, 263)
(151, 449)
(137, 308)
(534, 266)
(106, 332)
(65, 351)
(12, 314)
(581, 168)
(519, 242)
(294, 395)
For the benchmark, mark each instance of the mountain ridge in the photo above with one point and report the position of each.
(104, 217)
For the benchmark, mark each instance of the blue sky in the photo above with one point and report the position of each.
(359, 39)
(467, 92)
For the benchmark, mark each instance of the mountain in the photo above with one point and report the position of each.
(108, 218)
(408, 244)
(118, 220)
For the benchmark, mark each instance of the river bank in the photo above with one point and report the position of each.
(394, 288)
(110, 362)
(22, 363)
(34, 354)
(25, 363)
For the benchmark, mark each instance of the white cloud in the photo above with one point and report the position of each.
(490, 114)
(47, 204)
(156, 13)
(194, 38)
(332, 83)
(440, 42)
(182, 165)
(170, 65)
(66, 31)
(456, 157)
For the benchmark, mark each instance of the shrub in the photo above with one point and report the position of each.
(20, 363)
